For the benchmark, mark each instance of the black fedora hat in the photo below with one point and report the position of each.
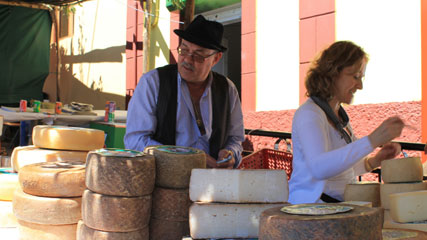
(204, 33)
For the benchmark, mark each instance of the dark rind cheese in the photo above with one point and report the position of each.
(170, 230)
(170, 204)
(86, 233)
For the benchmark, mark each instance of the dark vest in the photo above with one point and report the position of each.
(167, 107)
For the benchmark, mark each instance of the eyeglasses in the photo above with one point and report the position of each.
(196, 57)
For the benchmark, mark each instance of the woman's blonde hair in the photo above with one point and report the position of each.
(326, 68)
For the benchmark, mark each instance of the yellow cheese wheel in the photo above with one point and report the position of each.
(363, 191)
(408, 206)
(161, 229)
(68, 138)
(46, 210)
(170, 204)
(53, 179)
(8, 184)
(115, 214)
(389, 223)
(86, 233)
(120, 172)
(7, 219)
(389, 188)
(25, 155)
(33, 231)
(174, 164)
(402, 170)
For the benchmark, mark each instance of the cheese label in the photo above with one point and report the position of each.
(176, 150)
(116, 152)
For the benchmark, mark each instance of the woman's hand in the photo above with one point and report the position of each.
(223, 153)
(390, 129)
(388, 151)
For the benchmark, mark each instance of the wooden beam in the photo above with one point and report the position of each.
(189, 12)
(24, 4)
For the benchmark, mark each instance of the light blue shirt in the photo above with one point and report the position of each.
(141, 118)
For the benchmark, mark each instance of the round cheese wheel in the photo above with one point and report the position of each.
(8, 184)
(400, 234)
(170, 204)
(86, 233)
(68, 138)
(46, 210)
(25, 155)
(161, 229)
(115, 214)
(359, 223)
(174, 164)
(402, 170)
(363, 191)
(120, 172)
(53, 179)
(33, 231)
(7, 219)
(389, 188)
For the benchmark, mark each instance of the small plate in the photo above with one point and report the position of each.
(315, 209)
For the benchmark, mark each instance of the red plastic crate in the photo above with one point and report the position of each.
(268, 159)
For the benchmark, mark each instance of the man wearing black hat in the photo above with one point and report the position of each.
(188, 104)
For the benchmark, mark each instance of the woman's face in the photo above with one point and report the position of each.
(349, 81)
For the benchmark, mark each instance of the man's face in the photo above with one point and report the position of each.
(195, 62)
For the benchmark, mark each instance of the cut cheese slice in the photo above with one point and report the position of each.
(402, 170)
(8, 184)
(7, 219)
(215, 220)
(25, 155)
(46, 210)
(408, 206)
(120, 172)
(68, 138)
(359, 223)
(161, 229)
(389, 223)
(115, 214)
(363, 191)
(86, 233)
(389, 188)
(238, 186)
(170, 204)
(53, 179)
(33, 231)
(174, 164)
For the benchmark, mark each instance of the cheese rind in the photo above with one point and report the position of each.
(401, 170)
(8, 184)
(239, 186)
(46, 210)
(170, 204)
(22, 156)
(222, 220)
(53, 179)
(389, 188)
(115, 214)
(33, 231)
(68, 138)
(174, 164)
(120, 176)
(408, 206)
(86, 233)
(389, 223)
(363, 191)
(161, 229)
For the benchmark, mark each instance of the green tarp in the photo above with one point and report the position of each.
(24, 53)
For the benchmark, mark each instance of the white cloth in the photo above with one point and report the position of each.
(323, 162)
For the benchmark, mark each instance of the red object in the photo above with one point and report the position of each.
(23, 105)
(107, 111)
(58, 107)
(268, 159)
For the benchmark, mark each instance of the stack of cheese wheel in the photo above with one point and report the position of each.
(171, 202)
(117, 202)
(228, 203)
(8, 184)
(403, 187)
(365, 191)
(48, 202)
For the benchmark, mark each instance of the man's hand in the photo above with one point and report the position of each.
(223, 154)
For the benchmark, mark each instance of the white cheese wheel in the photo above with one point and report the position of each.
(402, 170)
(389, 188)
(363, 191)
(68, 138)
(161, 229)
(8, 184)
(25, 155)
(46, 210)
(389, 223)
(33, 231)
(120, 172)
(53, 179)
(408, 206)
(170, 204)
(238, 186)
(222, 220)
(115, 214)
(174, 164)
(86, 233)
(7, 219)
